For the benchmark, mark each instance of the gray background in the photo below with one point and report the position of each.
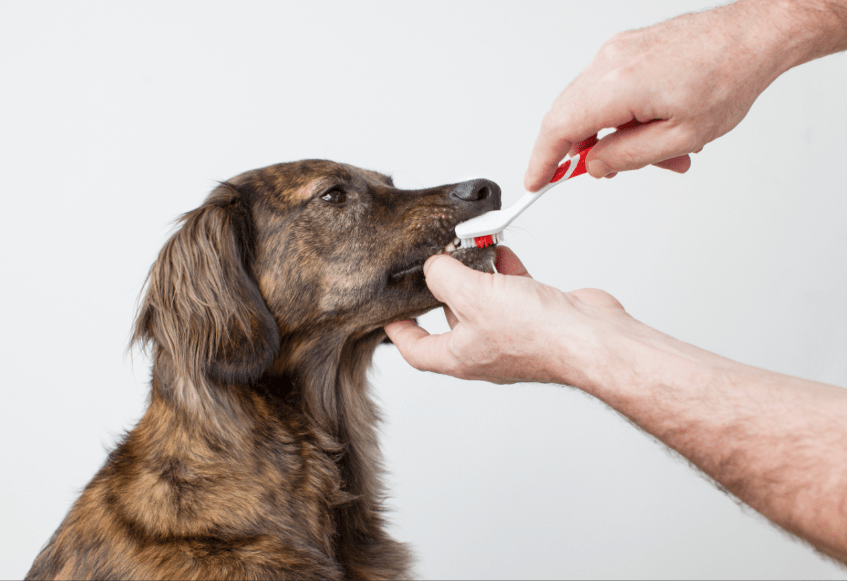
(115, 118)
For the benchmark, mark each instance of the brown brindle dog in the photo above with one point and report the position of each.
(257, 457)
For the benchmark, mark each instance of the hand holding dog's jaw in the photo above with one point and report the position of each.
(506, 327)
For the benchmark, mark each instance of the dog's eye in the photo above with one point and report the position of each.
(334, 196)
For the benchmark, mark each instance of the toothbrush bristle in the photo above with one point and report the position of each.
(483, 241)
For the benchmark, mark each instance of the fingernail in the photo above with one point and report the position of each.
(598, 168)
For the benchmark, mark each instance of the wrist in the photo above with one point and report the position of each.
(630, 366)
(599, 354)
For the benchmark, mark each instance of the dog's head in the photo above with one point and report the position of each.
(311, 248)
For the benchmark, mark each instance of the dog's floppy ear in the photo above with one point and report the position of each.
(202, 306)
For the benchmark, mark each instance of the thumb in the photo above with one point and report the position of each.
(651, 143)
(451, 282)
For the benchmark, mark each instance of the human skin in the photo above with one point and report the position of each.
(776, 442)
(693, 78)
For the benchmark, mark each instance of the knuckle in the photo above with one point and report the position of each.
(417, 362)
(557, 127)
(626, 158)
(613, 48)
(551, 123)
(689, 139)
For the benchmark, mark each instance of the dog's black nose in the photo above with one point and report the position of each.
(477, 191)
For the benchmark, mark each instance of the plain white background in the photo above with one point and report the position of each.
(117, 117)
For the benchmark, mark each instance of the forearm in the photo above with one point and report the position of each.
(776, 35)
(806, 29)
(777, 443)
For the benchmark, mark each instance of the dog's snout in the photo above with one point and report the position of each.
(477, 191)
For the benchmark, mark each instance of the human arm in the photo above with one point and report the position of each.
(696, 75)
(776, 442)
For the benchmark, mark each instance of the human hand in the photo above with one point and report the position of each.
(507, 327)
(689, 80)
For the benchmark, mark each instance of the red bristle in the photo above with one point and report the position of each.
(483, 241)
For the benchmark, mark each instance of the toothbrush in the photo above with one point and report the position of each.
(487, 229)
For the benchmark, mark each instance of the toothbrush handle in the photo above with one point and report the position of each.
(579, 158)
(582, 150)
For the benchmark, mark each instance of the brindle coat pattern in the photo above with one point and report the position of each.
(257, 457)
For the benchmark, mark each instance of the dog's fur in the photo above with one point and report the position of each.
(257, 457)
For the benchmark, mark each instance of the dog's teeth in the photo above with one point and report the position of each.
(450, 248)
(457, 241)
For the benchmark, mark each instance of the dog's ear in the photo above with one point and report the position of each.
(202, 306)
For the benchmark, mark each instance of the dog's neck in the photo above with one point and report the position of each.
(326, 381)
(318, 395)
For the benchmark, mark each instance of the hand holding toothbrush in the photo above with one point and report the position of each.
(695, 77)
(692, 79)
(488, 228)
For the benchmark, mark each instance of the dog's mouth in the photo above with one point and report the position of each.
(477, 258)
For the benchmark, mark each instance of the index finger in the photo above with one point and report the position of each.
(572, 119)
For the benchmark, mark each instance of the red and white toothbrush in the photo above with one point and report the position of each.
(487, 229)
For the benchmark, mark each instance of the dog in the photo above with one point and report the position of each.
(257, 456)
